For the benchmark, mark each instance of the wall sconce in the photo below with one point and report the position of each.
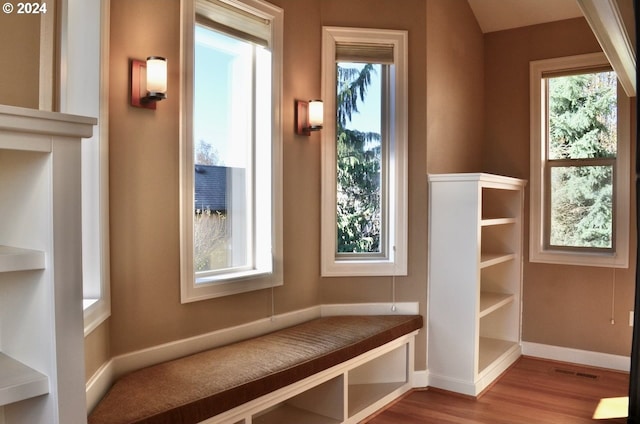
(309, 116)
(148, 81)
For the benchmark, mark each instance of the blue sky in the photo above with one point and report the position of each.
(368, 118)
(215, 79)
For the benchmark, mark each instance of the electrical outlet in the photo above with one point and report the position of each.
(630, 318)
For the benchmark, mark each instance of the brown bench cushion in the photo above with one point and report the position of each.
(196, 387)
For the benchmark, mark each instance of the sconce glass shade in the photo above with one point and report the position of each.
(156, 78)
(308, 116)
(316, 114)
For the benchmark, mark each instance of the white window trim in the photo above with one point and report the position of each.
(192, 290)
(84, 50)
(537, 252)
(395, 260)
(98, 273)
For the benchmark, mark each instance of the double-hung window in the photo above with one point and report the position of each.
(579, 163)
(364, 152)
(231, 148)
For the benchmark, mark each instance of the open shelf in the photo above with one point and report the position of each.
(376, 379)
(488, 222)
(16, 259)
(320, 404)
(489, 259)
(19, 382)
(490, 302)
(285, 413)
(491, 350)
(362, 396)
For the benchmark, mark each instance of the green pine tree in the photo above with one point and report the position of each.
(582, 125)
(359, 218)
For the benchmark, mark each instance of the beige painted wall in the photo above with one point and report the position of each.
(20, 53)
(566, 306)
(455, 80)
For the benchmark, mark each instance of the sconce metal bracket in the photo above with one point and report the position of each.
(302, 118)
(138, 85)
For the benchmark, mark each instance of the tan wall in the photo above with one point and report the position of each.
(455, 80)
(20, 53)
(566, 306)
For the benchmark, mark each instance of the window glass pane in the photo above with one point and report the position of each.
(582, 116)
(582, 206)
(222, 131)
(360, 162)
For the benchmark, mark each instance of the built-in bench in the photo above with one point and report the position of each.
(354, 362)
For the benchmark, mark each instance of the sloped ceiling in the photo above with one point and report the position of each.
(611, 20)
(498, 15)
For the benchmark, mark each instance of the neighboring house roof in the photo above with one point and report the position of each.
(211, 187)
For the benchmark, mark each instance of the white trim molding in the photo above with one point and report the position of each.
(605, 19)
(420, 379)
(393, 259)
(403, 308)
(577, 356)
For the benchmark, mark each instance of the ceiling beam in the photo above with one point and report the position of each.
(607, 24)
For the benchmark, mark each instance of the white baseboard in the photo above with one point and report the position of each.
(98, 385)
(420, 379)
(452, 384)
(101, 381)
(576, 356)
(402, 308)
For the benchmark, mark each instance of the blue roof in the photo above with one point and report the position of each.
(211, 187)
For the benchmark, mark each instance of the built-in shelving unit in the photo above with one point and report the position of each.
(41, 328)
(344, 394)
(475, 279)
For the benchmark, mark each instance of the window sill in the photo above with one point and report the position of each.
(96, 311)
(231, 277)
(607, 260)
(87, 303)
(364, 267)
(229, 284)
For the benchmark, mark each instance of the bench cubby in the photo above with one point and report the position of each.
(321, 404)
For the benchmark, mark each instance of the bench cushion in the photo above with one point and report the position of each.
(199, 386)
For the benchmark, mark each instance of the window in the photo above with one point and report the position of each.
(84, 49)
(231, 184)
(364, 152)
(579, 163)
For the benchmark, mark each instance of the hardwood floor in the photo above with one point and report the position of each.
(533, 391)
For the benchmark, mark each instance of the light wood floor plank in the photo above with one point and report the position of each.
(533, 391)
